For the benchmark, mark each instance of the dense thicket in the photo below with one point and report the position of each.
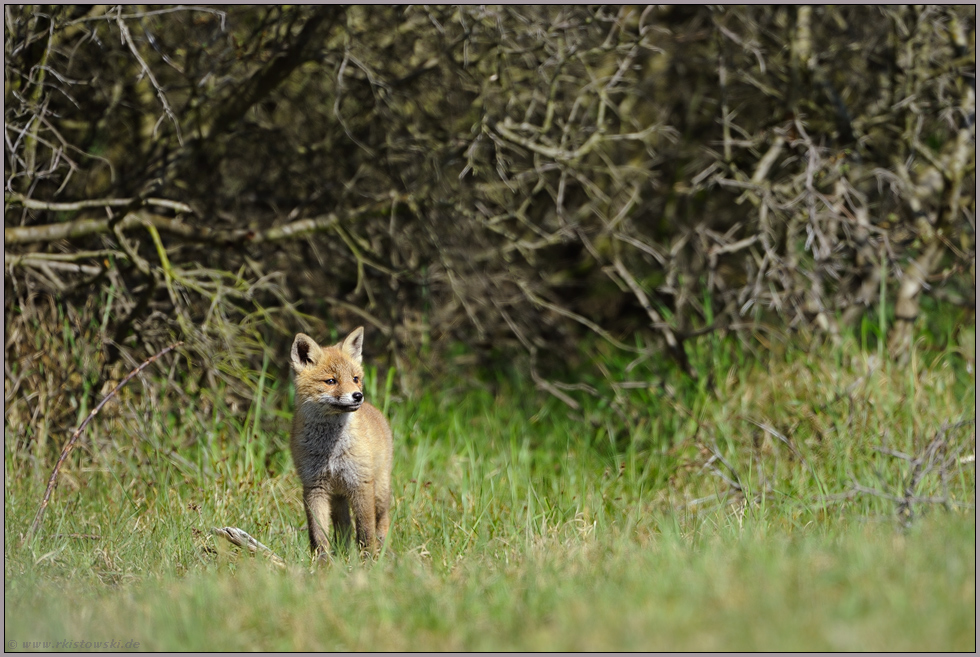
(510, 177)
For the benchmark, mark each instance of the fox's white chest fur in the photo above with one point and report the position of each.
(328, 440)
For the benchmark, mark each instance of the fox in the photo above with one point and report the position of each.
(341, 446)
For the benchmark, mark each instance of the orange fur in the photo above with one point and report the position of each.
(341, 445)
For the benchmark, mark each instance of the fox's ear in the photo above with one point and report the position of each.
(352, 344)
(305, 353)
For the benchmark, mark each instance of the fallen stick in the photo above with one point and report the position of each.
(236, 536)
(53, 479)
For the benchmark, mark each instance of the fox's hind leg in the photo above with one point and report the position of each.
(382, 504)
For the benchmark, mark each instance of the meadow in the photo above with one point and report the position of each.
(803, 499)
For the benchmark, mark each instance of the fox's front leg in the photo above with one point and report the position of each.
(340, 515)
(317, 503)
(364, 514)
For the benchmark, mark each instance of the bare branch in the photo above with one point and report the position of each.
(124, 31)
(34, 204)
(85, 227)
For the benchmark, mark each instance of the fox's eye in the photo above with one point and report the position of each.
(331, 382)
(356, 379)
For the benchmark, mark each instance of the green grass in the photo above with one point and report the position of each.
(754, 509)
(742, 588)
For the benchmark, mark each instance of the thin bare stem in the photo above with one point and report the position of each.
(53, 479)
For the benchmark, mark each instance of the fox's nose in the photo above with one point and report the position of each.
(358, 396)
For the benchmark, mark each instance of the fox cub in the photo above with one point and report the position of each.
(341, 445)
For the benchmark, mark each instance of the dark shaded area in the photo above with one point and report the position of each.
(511, 178)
